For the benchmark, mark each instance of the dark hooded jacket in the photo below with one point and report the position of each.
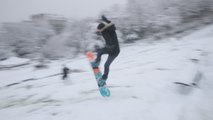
(110, 37)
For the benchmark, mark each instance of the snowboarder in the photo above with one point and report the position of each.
(65, 72)
(107, 29)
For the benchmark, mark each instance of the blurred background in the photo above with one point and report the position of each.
(163, 72)
(54, 36)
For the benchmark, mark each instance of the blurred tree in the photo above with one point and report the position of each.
(24, 38)
(82, 33)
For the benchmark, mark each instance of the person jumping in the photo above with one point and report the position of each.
(107, 29)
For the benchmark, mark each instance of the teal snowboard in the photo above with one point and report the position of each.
(104, 90)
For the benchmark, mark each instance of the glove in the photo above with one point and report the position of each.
(105, 19)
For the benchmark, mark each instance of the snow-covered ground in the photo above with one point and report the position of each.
(141, 83)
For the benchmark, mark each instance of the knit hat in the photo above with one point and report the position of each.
(100, 26)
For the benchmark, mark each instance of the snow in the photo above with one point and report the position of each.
(13, 60)
(141, 81)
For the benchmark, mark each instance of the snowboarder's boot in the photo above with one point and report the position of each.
(95, 64)
(102, 81)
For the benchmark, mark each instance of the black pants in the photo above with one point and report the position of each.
(109, 60)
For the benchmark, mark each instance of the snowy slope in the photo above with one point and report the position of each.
(141, 83)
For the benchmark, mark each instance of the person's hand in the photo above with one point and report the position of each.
(104, 18)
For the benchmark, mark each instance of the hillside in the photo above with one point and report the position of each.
(141, 83)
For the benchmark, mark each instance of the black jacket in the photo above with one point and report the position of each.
(110, 37)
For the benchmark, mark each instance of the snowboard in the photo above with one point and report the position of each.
(104, 90)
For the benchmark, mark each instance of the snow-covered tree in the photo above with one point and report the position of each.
(81, 34)
(24, 38)
(144, 17)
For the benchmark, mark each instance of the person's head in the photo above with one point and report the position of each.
(100, 26)
(102, 22)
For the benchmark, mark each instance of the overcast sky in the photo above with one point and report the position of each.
(18, 10)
